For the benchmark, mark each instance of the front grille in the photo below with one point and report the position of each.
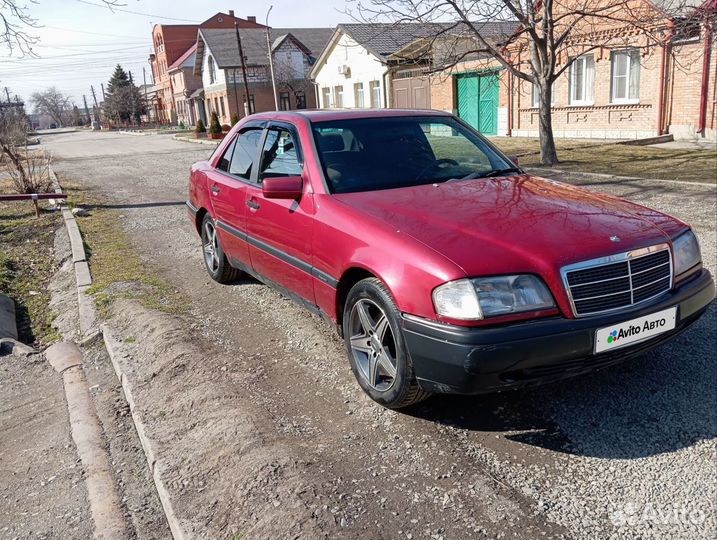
(606, 285)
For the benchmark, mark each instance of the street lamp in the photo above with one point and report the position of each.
(271, 59)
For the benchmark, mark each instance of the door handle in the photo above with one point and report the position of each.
(215, 190)
(253, 205)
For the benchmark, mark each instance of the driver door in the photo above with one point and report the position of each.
(280, 229)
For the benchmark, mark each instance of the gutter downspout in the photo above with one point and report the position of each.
(704, 88)
(385, 88)
(510, 104)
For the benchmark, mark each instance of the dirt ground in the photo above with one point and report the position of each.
(42, 489)
(264, 432)
(42, 493)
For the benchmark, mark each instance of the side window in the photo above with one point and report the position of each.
(279, 157)
(227, 157)
(244, 154)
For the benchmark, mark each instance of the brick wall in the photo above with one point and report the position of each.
(684, 88)
(602, 119)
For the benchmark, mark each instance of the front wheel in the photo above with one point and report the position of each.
(215, 260)
(376, 348)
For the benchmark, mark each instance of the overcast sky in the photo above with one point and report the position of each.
(80, 43)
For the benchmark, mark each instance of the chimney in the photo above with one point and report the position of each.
(251, 18)
(231, 12)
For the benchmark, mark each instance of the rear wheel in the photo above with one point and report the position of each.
(215, 260)
(376, 348)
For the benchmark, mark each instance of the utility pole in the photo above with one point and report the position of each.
(96, 107)
(102, 85)
(87, 110)
(7, 93)
(131, 97)
(243, 70)
(271, 58)
(236, 94)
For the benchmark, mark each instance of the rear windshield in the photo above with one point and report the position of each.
(369, 154)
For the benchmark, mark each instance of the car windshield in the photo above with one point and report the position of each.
(369, 154)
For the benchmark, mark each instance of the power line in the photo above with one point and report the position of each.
(112, 8)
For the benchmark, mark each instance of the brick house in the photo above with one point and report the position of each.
(171, 41)
(375, 65)
(184, 84)
(628, 88)
(218, 64)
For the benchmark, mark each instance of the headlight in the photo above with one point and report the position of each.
(686, 250)
(457, 300)
(471, 299)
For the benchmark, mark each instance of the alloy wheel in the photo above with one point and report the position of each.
(373, 344)
(211, 246)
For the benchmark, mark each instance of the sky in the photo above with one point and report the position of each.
(81, 41)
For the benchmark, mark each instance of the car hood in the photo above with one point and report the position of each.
(515, 224)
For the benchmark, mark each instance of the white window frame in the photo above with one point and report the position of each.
(359, 95)
(327, 97)
(535, 96)
(212, 69)
(588, 90)
(375, 85)
(629, 55)
(339, 96)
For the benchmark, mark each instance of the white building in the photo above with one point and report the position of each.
(358, 68)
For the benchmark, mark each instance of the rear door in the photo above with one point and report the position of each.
(279, 229)
(228, 185)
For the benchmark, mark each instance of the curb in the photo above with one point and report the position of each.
(178, 532)
(542, 172)
(87, 313)
(135, 133)
(197, 141)
(91, 331)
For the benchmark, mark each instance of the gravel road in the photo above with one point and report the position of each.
(628, 452)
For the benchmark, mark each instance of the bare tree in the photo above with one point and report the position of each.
(16, 25)
(548, 35)
(53, 103)
(28, 170)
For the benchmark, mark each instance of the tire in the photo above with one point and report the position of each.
(215, 260)
(376, 347)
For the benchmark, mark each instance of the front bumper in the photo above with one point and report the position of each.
(462, 360)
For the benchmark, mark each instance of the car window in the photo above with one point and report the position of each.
(244, 153)
(279, 156)
(227, 157)
(367, 154)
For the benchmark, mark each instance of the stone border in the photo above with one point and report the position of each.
(87, 311)
(90, 331)
(178, 532)
(198, 141)
(147, 133)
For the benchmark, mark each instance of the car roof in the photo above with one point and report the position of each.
(325, 115)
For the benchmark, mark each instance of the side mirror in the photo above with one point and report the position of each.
(284, 187)
(514, 160)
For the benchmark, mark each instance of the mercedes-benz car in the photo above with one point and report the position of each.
(445, 267)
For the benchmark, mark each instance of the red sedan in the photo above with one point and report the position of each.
(445, 267)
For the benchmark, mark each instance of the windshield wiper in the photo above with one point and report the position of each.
(499, 172)
(493, 172)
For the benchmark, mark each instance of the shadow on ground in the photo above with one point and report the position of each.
(657, 403)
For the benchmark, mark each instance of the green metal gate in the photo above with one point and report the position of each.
(478, 101)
